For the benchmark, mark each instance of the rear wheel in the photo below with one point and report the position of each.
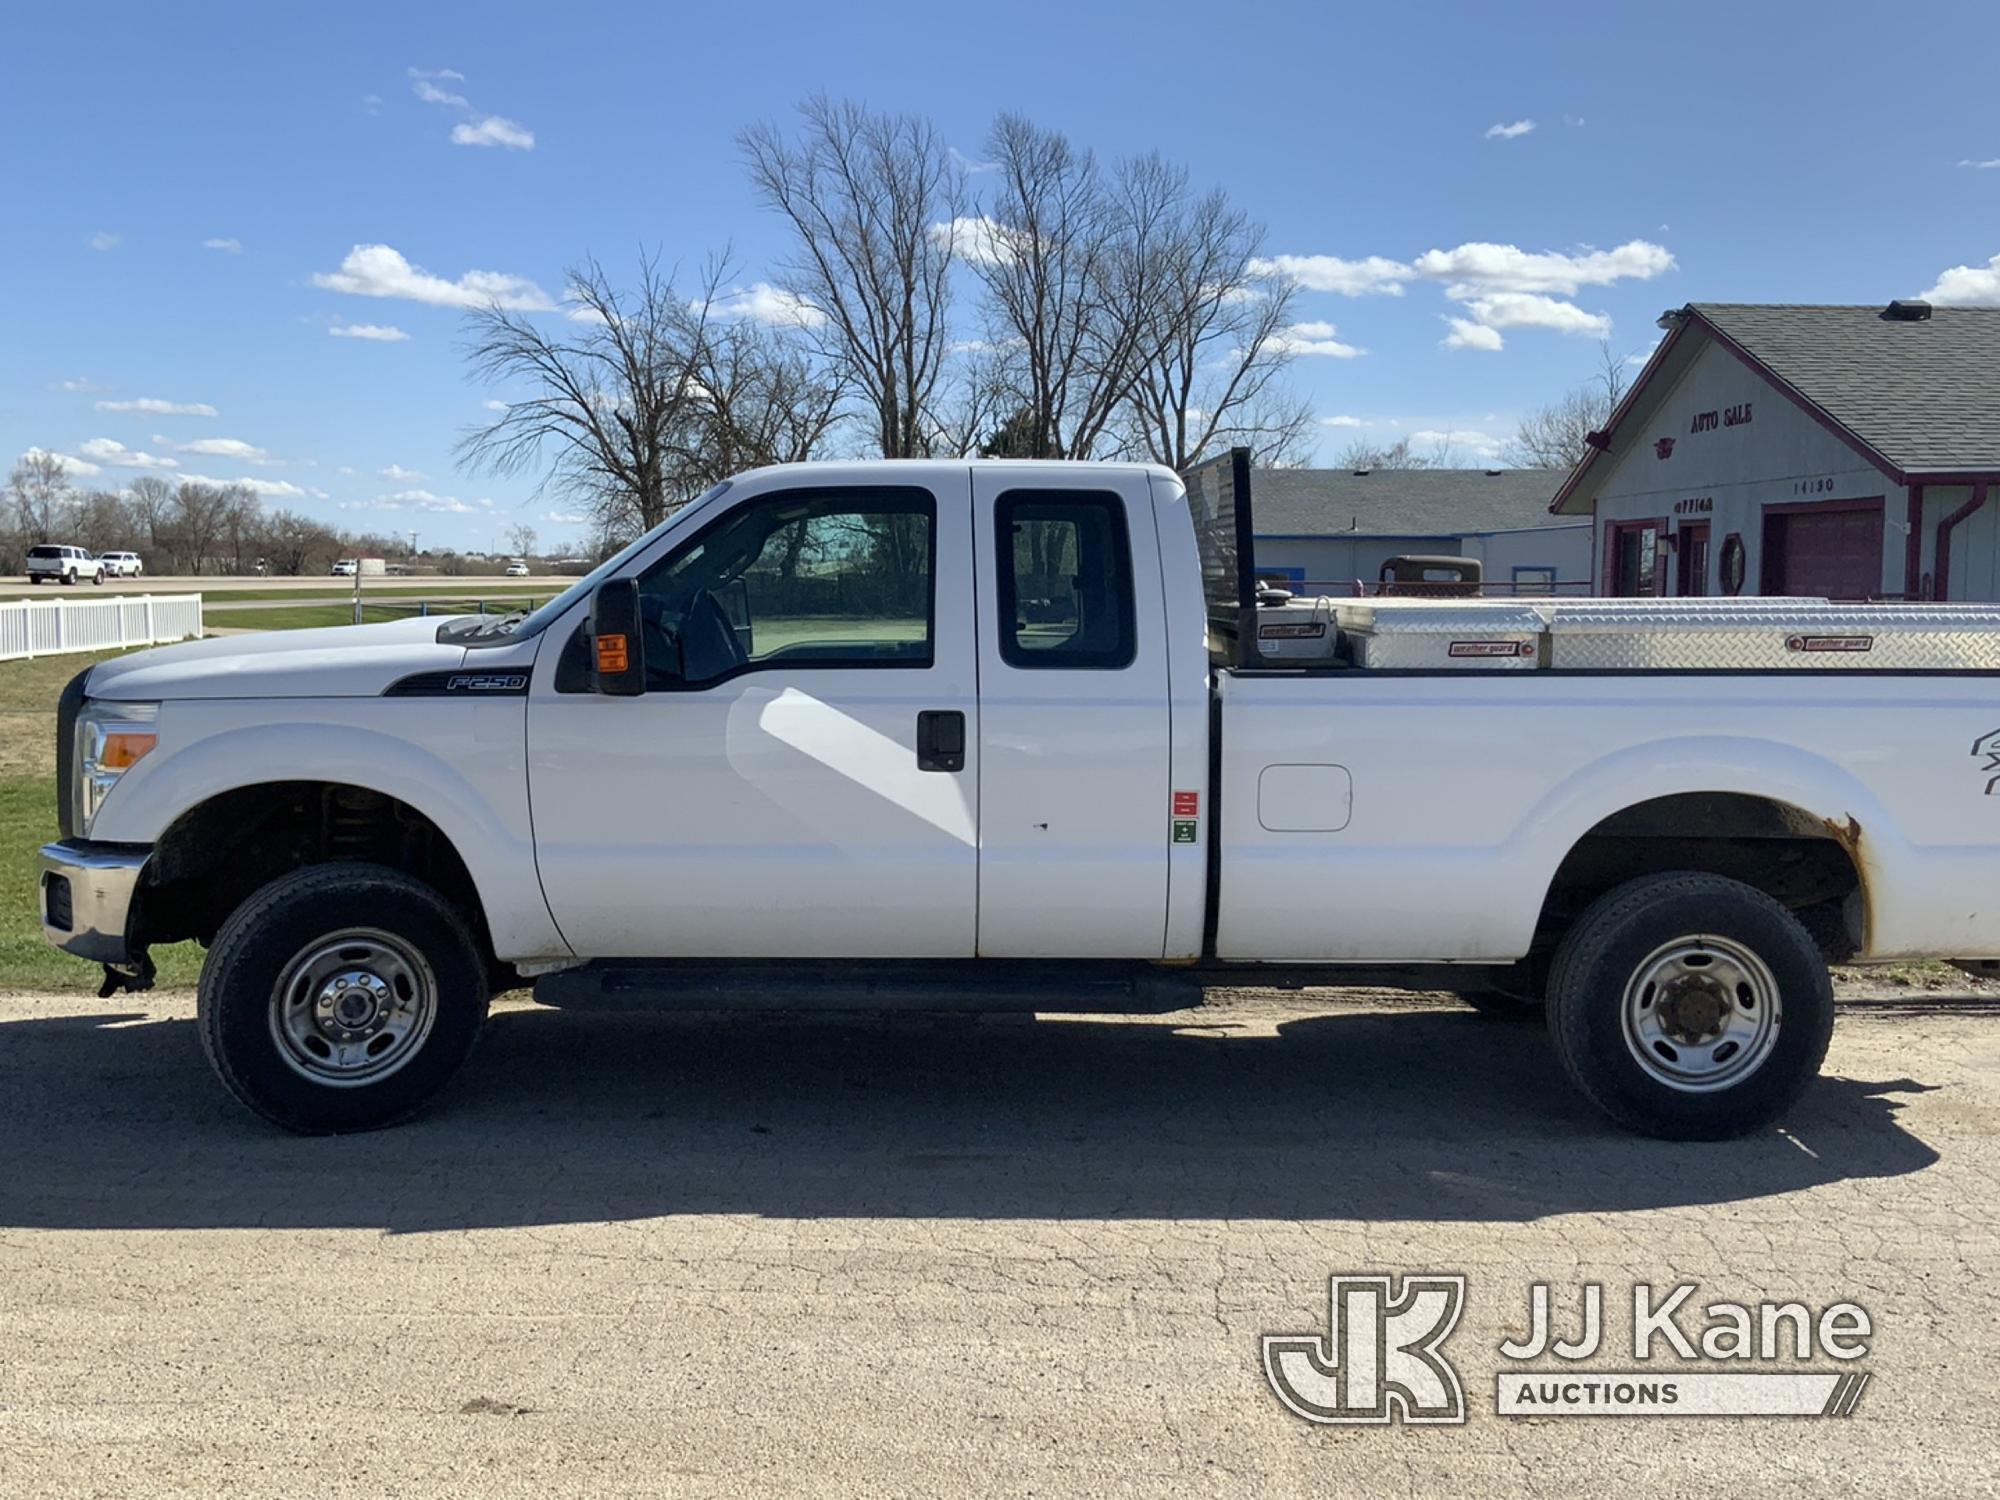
(69, 578)
(1690, 1007)
(341, 998)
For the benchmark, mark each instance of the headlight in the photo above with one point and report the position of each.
(111, 738)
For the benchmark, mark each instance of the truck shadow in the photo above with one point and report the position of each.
(112, 1120)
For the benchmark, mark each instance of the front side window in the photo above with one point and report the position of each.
(810, 578)
(1065, 580)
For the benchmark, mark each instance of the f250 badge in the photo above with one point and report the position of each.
(486, 682)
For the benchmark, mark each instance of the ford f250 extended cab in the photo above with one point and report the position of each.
(1029, 735)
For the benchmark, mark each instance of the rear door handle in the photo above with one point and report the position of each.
(940, 740)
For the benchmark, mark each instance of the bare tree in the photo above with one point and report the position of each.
(43, 498)
(1360, 455)
(198, 515)
(1552, 436)
(1064, 292)
(613, 391)
(522, 540)
(762, 398)
(873, 202)
(1209, 370)
(103, 522)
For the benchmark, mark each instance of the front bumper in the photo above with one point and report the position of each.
(86, 893)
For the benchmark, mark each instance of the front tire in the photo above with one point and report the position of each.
(97, 578)
(341, 998)
(1690, 1007)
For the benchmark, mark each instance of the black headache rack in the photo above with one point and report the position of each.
(1219, 499)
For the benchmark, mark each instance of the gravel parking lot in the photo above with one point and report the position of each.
(645, 1255)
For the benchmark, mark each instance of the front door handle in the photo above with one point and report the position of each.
(940, 740)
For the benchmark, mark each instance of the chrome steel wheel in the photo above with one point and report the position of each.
(1701, 1013)
(353, 1007)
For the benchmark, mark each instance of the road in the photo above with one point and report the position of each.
(698, 1254)
(470, 583)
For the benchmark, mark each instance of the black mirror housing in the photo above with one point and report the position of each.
(618, 639)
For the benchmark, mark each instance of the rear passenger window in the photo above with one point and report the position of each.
(1065, 566)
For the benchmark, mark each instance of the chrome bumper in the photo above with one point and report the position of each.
(85, 892)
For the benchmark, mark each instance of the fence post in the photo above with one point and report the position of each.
(147, 601)
(199, 624)
(59, 624)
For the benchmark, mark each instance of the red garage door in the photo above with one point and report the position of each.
(1833, 549)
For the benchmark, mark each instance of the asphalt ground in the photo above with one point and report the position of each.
(711, 1254)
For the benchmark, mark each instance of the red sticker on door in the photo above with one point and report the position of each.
(1187, 804)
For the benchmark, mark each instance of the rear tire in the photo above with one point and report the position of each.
(1690, 1007)
(341, 997)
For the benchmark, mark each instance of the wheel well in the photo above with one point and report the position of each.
(217, 853)
(1804, 862)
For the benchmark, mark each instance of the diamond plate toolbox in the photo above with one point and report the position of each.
(1475, 637)
(1772, 636)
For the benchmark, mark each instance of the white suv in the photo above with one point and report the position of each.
(121, 564)
(64, 564)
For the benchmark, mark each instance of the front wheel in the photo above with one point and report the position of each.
(98, 577)
(1690, 1007)
(341, 998)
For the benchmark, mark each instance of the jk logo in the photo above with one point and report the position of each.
(1379, 1359)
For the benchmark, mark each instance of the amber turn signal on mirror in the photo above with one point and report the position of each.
(612, 655)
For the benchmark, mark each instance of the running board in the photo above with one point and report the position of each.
(962, 985)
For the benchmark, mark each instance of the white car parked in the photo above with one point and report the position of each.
(1027, 735)
(517, 570)
(63, 564)
(122, 564)
(346, 567)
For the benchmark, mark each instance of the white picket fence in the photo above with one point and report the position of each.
(47, 627)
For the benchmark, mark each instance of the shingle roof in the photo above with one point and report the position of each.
(1401, 502)
(1925, 395)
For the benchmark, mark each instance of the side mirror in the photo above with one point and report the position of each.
(618, 643)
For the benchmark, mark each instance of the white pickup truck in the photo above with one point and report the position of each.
(1013, 735)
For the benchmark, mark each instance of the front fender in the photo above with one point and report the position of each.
(460, 764)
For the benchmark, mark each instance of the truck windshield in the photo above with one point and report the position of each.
(517, 627)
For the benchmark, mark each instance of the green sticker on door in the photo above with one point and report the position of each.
(1184, 830)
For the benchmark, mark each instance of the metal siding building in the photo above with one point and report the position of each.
(1326, 529)
(1838, 451)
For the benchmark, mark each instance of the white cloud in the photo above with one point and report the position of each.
(1310, 339)
(493, 130)
(1373, 275)
(115, 454)
(764, 303)
(1532, 310)
(422, 500)
(75, 467)
(222, 447)
(371, 104)
(566, 517)
(1982, 166)
(1466, 334)
(228, 245)
(81, 385)
(269, 489)
(976, 238)
(1967, 286)
(1478, 267)
(104, 240)
(380, 333)
(1509, 132)
(1466, 441)
(398, 472)
(1344, 422)
(153, 406)
(494, 405)
(381, 271)
(424, 84)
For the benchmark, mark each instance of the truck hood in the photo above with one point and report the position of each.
(342, 661)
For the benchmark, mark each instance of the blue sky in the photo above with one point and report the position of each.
(187, 182)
